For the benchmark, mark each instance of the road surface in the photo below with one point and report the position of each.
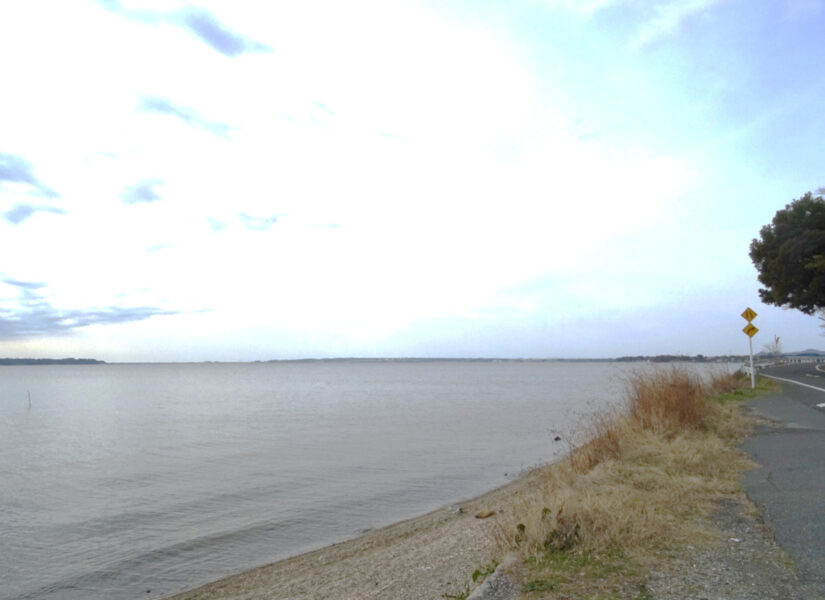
(789, 489)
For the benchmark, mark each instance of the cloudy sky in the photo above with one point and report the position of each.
(216, 180)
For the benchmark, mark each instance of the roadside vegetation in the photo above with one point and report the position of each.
(636, 493)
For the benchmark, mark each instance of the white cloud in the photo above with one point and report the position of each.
(480, 187)
(656, 19)
(585, 8)
(667, 19)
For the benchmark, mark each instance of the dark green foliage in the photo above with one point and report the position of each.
(520, 529)
(564, 538)
(790, 256)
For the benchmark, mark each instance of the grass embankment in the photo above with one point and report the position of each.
(636, 493)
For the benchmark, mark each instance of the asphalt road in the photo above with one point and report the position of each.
(789, 489)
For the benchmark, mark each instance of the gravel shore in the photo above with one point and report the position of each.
(429, 557)
(434, 556)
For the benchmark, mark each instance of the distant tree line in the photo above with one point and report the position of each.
(664, 358)
(50, 361)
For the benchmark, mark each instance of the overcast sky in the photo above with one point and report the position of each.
(242, 180)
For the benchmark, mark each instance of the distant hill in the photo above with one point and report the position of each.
(50, 361)
(809, 352)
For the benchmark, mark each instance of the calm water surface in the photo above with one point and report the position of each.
(120, 479)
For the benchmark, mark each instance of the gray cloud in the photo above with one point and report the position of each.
(257, 223)
(25, 285)
(20, 212)
(15, 169)
(40, 318)
(35, 316)
(163, 106)
(141, 192)
(204, 25)
(198, 21)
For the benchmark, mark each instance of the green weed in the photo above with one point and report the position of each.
(542, 585)
(481, 574)
(644, 593)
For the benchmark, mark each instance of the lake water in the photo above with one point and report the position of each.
(119, 479)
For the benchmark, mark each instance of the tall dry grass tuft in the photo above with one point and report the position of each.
(639, 484)
(668, 402)
(724, 382)
(665, 403)
(604, 442)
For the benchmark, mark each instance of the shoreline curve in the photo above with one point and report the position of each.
(445, 545)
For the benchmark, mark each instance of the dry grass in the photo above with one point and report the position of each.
(637, 490)
(668, 403)
(724, 382)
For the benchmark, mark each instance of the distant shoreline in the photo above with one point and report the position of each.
(657, 358)
(662, 358)
(50, 361)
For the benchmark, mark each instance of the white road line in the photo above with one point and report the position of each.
(813, 387)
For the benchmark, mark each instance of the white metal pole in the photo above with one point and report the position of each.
(753, 373)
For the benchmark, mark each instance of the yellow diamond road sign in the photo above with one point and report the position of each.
(750, 330)
(749, 315)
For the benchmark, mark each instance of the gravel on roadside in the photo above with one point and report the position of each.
(746, 564)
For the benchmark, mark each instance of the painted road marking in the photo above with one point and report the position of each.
(813, 387)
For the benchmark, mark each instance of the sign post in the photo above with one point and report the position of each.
(750, 330)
